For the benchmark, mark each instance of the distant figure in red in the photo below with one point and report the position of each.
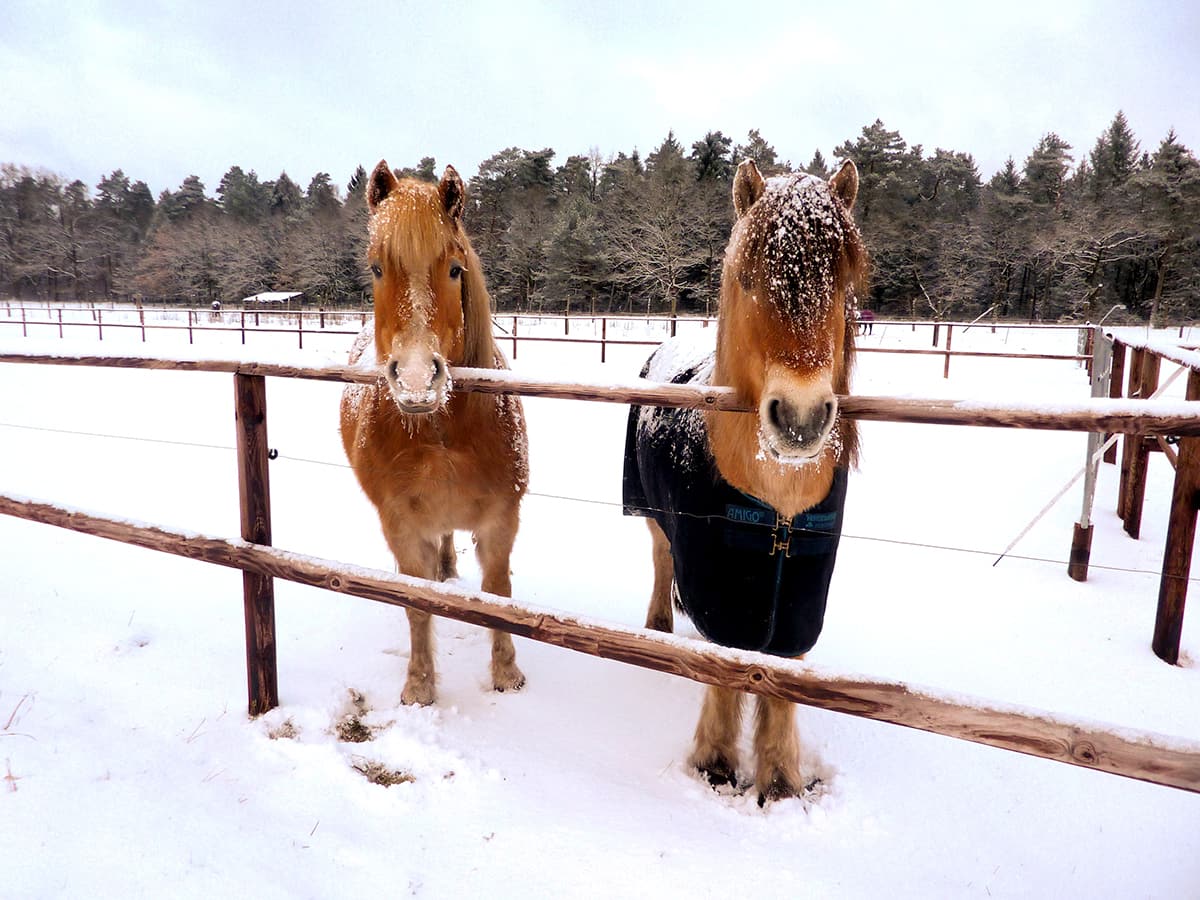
(866, 321)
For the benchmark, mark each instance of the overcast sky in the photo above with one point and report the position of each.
(168, 89)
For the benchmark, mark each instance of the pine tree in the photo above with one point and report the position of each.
(817, 165)
(711, 156)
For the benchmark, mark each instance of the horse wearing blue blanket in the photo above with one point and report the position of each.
(745, 510)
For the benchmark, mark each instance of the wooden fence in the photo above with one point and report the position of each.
(1150, 757)
(1144, 369)
(41, 319)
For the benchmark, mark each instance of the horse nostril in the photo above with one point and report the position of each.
(773, 413)
(830, 410)
(393, 370)
(439, 369)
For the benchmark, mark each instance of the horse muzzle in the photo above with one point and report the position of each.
(796, 430)
(419, 384)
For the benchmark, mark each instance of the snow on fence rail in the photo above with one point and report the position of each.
(1161, 759)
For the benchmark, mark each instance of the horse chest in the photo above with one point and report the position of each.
(746, 576)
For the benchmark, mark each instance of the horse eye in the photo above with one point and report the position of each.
(376, 270)
(455, 270)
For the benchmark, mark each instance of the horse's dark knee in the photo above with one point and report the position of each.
(664, 622)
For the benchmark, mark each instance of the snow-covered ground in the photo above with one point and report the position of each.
(128, 766)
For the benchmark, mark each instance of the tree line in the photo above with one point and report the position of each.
(1059, 236)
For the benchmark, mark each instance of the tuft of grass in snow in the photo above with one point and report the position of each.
(286, 730)
(378, 773)
(351, 730)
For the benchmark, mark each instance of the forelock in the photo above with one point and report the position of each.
(799, 246)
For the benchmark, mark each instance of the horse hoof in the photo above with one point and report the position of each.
(421, 694)
(718, 773)
(512, 680)
(778, 788)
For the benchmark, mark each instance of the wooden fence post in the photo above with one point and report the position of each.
(1116, 384)
(603, 336)
(1181, 535)
(99, 326)
(1139, 444)
(254, 493)
(60, 325)
(24, 329)
(1128, 441)
(514, 337)
(300, 328)
(1099, 367)
(949, 335)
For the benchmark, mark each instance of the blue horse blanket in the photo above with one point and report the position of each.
(745, 576)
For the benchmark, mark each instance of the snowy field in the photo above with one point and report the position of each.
(128, 766)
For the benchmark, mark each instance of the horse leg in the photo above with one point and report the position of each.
(419, 558)
(493, 547)
(715, 751)
(661, 616)
(776, 749)
(447, 558)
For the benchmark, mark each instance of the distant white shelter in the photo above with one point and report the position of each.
(271, 297)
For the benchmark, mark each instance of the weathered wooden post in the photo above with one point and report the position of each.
(603, 337)
(514, 337)
(99, 326)
(1081, 541)
(60, 325)
(254, 493)
(949, 335)
(142, 322)
(1116, 383)
(1129, 441)
(1139, 447)
(1181, 536)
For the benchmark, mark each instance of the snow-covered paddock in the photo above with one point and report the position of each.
(135, 770)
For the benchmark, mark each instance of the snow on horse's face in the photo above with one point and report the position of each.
(790, 269)
(419, 259)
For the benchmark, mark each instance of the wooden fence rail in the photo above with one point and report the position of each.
(1156, 758)
(1113, 415)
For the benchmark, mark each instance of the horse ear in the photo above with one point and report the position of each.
(845, 184)
(748, 186)
(382, 183)
(453, 193)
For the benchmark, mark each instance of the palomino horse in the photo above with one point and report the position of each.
(432, 461)
(745, 510)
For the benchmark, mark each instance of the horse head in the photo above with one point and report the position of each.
(785, 340)
(425, 274)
